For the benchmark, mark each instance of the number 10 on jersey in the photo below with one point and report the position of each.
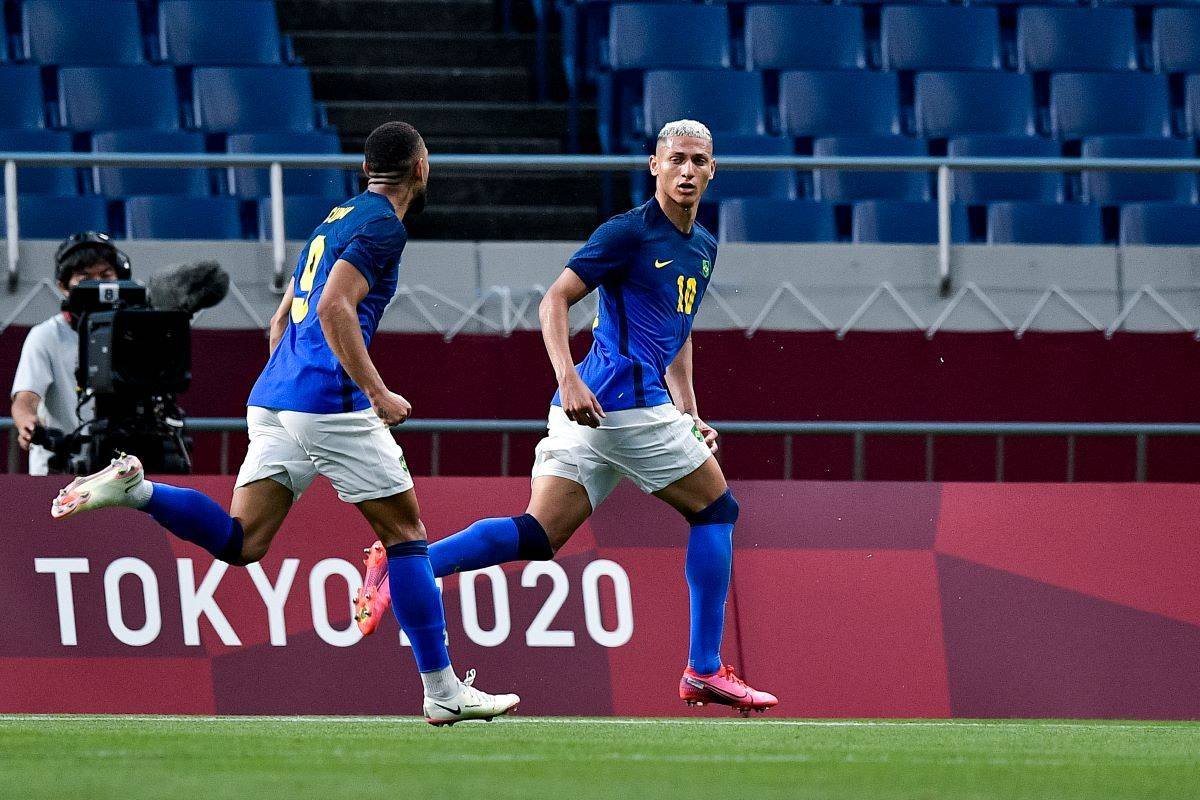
(687, 294)
(316, 251)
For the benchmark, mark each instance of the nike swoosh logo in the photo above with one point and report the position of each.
(455, 710)
(716, 691)
(660, 264)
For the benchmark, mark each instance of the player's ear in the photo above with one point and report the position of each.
(654, 164)
(364, 168)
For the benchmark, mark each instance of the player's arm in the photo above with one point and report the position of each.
(337, 311)
(578, 402)
(683, 391)
(279, 320)
(24, 414)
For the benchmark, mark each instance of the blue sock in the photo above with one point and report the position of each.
(707, 567)
(195, 517)
(488, 542)
(417, 604)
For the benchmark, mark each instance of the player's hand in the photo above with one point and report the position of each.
(578, 402)
(391, 408)
(709, 433)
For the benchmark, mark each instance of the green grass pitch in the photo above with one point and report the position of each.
(576, 759)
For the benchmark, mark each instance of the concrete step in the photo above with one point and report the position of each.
(456, 119)
(387, 15)
(359, 48)
(474, 222)
(509, 84)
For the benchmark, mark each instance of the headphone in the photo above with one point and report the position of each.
(118, 259)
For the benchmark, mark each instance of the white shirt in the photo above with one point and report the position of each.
(49, 359)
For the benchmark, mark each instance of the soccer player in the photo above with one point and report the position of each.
(628, 410)
(320, 407)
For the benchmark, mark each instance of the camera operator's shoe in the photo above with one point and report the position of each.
(115, 485)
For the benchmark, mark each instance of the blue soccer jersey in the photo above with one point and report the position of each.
(651, 279)
(303, 374)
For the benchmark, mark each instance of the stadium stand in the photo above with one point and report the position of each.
(21, 102)
(1092, 104)
(1175, 40)
(54, 217)
(644, 36)
(118, 98)
(267, 98)
(939, 38)
(1044, 223)
(1076, 39)
(301, 213)
(256, 182)
(782, 37)
(954, 103)
(128, 181)
(763, 219)
(177, 217)
(41, 180)
(904, 222)
(1123, 187)
(94, 32)
(983, 187)
(249, 28)
(850, 103)
(1160, 224)
(842, 185)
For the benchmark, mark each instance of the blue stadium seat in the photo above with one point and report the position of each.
(1160, 223)
(804, 37)
(959, 103)
(1044, 223)
(175, 217)
(646, 36)
(253, 99)
(248, 32)
(301, 214)
(850, 103)
(984, 187)
(118, 98)
(761, 219)
(1191, 105)
(942, 38)
(81, 32)
(41, 180)
(1175, 40)
(1136, 187)
(48, 217)
(128, 181)
(725, 100)
(904, 222)
(21, 101)
(3, 40)
(840, 185)
(1085, 104)
(778, 183)
(257, 182)
(1077, 39)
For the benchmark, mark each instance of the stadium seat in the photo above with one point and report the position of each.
(174, 217)
(128, 181)
(904, 222)
(841, 185)
(249, 32)
(41, 180)
(960, 103)
(3, 40)
(1044, 223)
(778, 183)
(942, 38)
(1175, 41)
(301, 214)
(646, 36)
(1085, 104)
(849, 103)
(761, 219)
(1191, 105)
(253, 99)
(1160, 223)
(257, 183)
(49, 217)
(727, 101)
(1075, 39)
(118, 98)
(985, 187)
(21, 101)
(804, 37)
(95, 32)
(1135, 187)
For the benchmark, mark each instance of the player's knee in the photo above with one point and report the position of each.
(251, 553)
(722, 511)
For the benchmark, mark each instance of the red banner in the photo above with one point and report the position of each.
(890, 600)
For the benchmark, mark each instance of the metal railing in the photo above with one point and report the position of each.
(858, 432)
(942, 166)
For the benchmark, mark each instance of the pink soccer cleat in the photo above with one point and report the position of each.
(372, 601)
(115, 485)
(724, 688)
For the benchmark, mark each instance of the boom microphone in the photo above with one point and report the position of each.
(189, 287)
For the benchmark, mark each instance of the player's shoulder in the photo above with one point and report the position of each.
(706, 236)
(628, 226)
(379, 220)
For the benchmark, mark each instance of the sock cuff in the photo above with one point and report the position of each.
(532, 542)
(231, 553)
(722, 511)
(414, 549)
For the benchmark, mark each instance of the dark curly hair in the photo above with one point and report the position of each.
(390, 152)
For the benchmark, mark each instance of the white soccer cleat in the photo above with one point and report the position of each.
(111, 486)
(469, 703)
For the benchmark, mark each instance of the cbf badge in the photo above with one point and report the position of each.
(705, 267)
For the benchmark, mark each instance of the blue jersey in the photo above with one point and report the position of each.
(303, 374)
(651, 279)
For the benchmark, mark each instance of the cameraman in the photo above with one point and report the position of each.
(43, 390)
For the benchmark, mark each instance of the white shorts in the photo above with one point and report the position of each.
(653, 447)
(355, 451)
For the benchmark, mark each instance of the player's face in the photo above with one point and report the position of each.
(683, 166)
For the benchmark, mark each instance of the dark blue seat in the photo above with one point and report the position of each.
(849, 103)
(3, 40)
(647, 36)
(1175, 40)
(1160, 223)
(301, 213)
(804, 37)
(1191, 105)
(959, 103)
(984, 187)
(761, 219)
(1136, 187)
(49, 217)
(175, 217)
(118, 98)
(253, 99)
(257, 182)
(1095, 104)
(127, 181)
(778, 183)
(724, 100)
(41, 180)
(832, 184)
(942, 38)
(21, 101)
(1044, 223)
(248, 32)
(81, 32)
(1077, 39)
(904, 222)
